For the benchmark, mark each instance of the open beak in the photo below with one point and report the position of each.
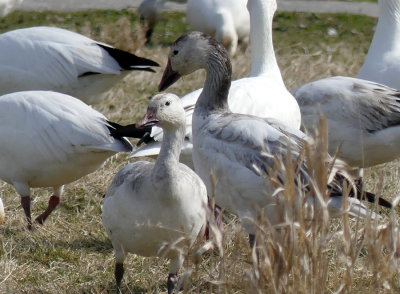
(149, 119)
(169, 77)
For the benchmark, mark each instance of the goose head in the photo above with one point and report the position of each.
(189, 53)
(164, 110)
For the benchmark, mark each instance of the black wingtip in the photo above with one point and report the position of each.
(130, 131)
(360, 194)
(129, 61)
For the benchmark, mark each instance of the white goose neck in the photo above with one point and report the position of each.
(388, 28)
(171, 146)
(262, 48)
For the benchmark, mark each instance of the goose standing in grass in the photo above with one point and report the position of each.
(6, 6)
(382, 64)
(50, 139)
(48, 58)
(149, 13)
(263, 93)
(240, 149)
(150, 205)
(363, 118)
(228, 21)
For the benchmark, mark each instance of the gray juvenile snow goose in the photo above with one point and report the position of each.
(149, 205)
(237, 147)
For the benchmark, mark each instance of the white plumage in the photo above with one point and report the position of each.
(149, 205)
(362, 118)
(382, 64)
(48, 58)
(263, 93)
(48, 139)
(228, 21)
(6, 6)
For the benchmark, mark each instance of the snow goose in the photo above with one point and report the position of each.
(363, 118)
(48, 139)
(263, 93)
(6, 6)
(238, 148)
(382, 64)
(150, 205)
(149, 13)
(48, 58)
(228, 21)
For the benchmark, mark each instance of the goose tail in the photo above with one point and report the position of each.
(129, 61)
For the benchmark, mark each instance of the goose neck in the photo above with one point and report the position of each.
(387, 32)
(262, 48)
(171, 147)
(214, 96)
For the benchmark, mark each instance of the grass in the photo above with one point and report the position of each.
(71, 253)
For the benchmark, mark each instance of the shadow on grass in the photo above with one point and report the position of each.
(90, 244)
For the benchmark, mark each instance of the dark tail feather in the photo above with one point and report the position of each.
(360, 194)
(370, 197)
(130, 131)
(129, 61)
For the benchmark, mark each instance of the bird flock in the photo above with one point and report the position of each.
(231, 131)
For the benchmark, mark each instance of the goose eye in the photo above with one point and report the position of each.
(167, 103)
(175, 52)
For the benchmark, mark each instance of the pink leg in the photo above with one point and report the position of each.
(53, 202)
(26, 205)
(218, 219)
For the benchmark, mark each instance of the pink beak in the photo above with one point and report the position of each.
(169, 77)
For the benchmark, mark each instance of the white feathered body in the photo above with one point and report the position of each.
(227, 20)
(62, 58)
(6, 6)
(362, 118)
(382, 64)
(49, 139)
(237, 148)
(142, 213)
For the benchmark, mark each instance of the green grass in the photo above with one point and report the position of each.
(71, 253)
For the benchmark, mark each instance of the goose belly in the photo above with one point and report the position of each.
(144, 227)
(46, 173)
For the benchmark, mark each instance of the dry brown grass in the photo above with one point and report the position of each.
(71, 253)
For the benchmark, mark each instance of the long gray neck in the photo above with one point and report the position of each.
(168, 157)
(214, 97)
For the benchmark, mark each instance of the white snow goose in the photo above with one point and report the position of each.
(150, 205)
(6, 6)
(149, 13)
(226, 20)
(238, 148)
(263, 93)
(48, 58)
(382, 64)
(363, 118)
(48, 139)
